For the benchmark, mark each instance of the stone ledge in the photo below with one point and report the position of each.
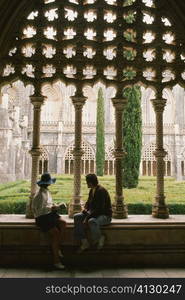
(138, 240)
(132, 219)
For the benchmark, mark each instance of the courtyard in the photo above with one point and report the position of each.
(14, 195)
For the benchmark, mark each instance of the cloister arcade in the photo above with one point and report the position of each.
(82, 42)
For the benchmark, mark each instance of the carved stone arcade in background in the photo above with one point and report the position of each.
(82, 42)
(57, 131)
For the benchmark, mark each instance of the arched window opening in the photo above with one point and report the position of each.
(69, 160)
(87, 163)
(109, 168)
(43, 162)
(183, 164)
(148, 163)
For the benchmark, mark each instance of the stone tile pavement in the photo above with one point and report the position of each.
(21, 272)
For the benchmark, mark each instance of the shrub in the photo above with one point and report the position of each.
(146, 209)
(12, 207)
(19, 207)
(7, 186)
(139, 209)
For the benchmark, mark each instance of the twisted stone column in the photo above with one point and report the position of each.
(119, 208)
(35, 151)
(76, 205)
(159, 209)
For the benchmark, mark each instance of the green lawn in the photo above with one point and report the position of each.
(63, 190)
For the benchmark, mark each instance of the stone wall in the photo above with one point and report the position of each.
(136, 241)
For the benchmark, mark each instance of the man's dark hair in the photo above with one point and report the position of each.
(92, 178)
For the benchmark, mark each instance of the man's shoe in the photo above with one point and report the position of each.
(85, 245)
(59, 266)
(101, 242)
(60, 254)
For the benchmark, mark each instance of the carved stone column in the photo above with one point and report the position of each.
(35, 152)
(119, 207)
(159, 209)
(76, 205)
(179, 175)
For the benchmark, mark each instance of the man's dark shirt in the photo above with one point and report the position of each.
(99, 203)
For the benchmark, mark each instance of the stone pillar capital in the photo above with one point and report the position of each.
(37, 101)
(78, 152)
(35, 152)
(119, 103)
(78, 101)
(160, 153)
(119, 153)
(158, 104)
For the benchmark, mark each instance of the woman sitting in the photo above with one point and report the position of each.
(47, 218)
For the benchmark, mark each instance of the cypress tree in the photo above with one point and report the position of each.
(100, 134)
(132, 119)
(132, 137)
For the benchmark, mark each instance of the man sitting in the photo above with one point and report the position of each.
(97, 212)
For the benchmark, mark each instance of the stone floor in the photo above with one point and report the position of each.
(94, 273)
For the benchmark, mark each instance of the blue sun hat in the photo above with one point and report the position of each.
(46, 179)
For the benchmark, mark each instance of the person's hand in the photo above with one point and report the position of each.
(63, 205)
(85, 221)
(54, 208)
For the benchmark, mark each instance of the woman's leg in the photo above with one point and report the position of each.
(61, 224)
(55, 242)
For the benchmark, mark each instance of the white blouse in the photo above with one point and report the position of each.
(42, 202)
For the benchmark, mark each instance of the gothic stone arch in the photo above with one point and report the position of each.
(43, 161)
(87, 162)
(148, 167)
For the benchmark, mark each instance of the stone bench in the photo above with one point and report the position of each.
(135, 241)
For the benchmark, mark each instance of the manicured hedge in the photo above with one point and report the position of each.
(146, 209)
(5, 187)
(19, 207)
(12, 207)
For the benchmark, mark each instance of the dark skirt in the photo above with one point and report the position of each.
(47, 221)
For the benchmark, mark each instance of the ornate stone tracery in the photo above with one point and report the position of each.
(120, 43)
(43, 161)
(111, 30)
(87, 162)
(148, 167)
